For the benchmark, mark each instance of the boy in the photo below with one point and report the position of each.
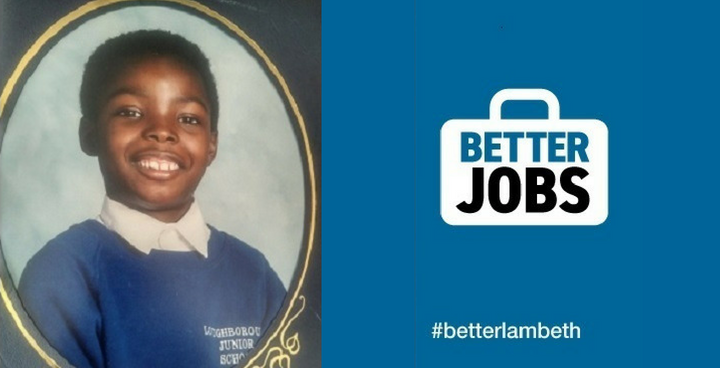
(149, 284)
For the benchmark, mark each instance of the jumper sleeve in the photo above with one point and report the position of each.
(275, 296)
(58, 289)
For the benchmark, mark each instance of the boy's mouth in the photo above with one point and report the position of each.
(157, 165)
(161, 165)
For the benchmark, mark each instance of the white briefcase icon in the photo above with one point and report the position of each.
(524, 171)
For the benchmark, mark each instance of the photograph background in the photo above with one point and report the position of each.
(254, 190)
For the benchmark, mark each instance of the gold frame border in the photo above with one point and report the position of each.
(287, 318)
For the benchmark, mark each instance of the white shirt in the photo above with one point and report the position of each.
(145, 233)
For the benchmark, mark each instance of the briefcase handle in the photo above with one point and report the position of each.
(524, 94)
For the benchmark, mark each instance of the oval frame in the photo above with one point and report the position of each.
(279, 344)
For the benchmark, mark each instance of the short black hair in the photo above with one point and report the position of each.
(116, 53)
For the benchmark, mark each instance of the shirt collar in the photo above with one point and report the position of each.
(145, 233)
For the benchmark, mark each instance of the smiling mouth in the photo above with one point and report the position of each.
(158, 165)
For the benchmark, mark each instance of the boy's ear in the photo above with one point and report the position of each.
(88, 137)
(212, 149)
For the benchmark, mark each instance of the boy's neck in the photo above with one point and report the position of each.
(167, 216)
(163, 215)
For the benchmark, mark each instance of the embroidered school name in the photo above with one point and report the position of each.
(235, 343)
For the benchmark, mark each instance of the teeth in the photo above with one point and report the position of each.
(159, 165)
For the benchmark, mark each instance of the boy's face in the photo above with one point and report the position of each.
(155, 138)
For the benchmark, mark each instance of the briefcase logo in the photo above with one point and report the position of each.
(524, 172)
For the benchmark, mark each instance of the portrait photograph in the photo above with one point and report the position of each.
(158, 192)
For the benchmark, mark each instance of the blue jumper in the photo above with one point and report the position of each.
(102, 303)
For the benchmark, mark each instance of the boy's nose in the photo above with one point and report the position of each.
(161, 131)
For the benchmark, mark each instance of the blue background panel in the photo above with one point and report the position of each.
(590, 57)
(368, 184)
(643, 285)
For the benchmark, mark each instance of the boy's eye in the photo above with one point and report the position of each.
(189, 120)
(129, 113)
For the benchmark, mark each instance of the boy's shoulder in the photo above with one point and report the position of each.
(80, 240)
(226, 245)
(71, 253)
(247, 264)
